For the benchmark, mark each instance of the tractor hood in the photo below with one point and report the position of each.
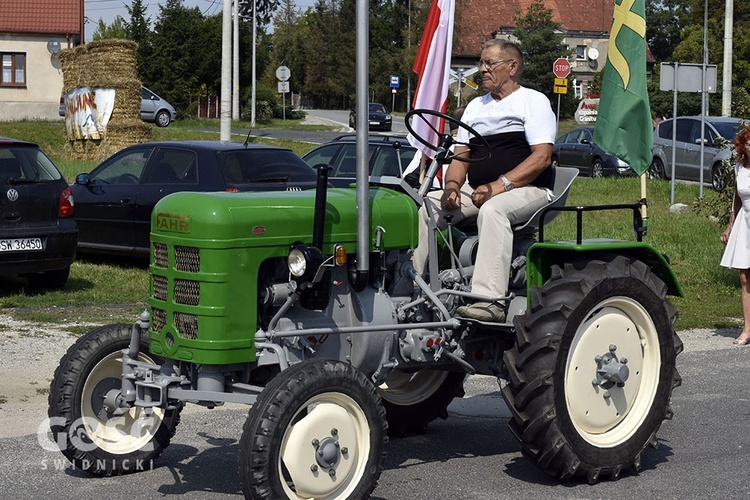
(222, 220)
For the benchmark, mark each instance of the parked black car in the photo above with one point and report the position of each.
(577, 149)
(385, 153)
(114, 202)
(378, 117)
(37, 229)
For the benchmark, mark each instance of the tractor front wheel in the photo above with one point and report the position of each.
(592, 373)
(95, 440)
(318, 430)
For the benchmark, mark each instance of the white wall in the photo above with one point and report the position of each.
(44, 80)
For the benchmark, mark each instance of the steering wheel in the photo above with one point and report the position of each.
(127, 179)
(421, 114)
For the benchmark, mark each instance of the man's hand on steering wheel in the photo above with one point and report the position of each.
(481, 195)
(451, 199)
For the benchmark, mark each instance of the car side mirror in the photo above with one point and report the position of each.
(82, 179)
(585, 141)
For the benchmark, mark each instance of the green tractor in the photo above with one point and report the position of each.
(306, 307)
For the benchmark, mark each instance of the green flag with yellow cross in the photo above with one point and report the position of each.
(623, 126)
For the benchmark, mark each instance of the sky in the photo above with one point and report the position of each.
(107, 10)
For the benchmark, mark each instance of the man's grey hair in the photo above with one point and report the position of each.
(508, 47)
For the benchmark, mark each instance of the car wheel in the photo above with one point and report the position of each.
(555, 162)
(720, 177)
(162, 118)
(597, 169)
(656, 170)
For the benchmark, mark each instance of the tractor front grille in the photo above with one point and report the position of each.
(187, 259)
(161, 258)
(187, 292)
(187, 325)
(158, 319)
(161, 286)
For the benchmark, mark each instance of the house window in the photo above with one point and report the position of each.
(578, 88)
(13, 72)
(581, 52)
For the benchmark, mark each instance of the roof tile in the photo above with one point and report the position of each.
(41, 16)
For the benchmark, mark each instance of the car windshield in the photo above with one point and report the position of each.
(377, 108)
(728, 130)
(248, 166)
(27, 164)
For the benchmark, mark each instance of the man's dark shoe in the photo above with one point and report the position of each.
(489, 312)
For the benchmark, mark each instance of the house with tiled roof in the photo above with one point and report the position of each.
(32, 32)
(584, 28)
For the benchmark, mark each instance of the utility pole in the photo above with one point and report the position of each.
(236, 63)
(226, 72)
(726, 84)
(252, 94)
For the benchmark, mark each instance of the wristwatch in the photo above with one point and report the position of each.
(508, 185)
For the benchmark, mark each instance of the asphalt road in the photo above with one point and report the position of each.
(704, 451)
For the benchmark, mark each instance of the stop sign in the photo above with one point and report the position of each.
(561, 67)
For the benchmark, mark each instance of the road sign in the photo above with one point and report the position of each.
(283, 87)
(561, 86)
(561, 67)
(283, 73)
(394, 82)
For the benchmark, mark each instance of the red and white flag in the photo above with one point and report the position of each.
(433, 66)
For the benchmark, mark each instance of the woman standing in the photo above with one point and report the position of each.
(737, 235)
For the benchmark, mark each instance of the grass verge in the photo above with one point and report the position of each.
(109, 290)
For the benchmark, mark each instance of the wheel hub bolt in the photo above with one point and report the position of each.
(314, 468)
(315, 442)
(334, 431)
(345, 450)
(332, 472)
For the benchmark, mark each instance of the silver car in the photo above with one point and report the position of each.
(718, 140)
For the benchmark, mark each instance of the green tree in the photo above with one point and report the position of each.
(139, 31)
(114, 30)
(665, 22)
(541, 45)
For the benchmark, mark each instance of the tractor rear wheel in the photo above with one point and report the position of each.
(94, 440)
(318, 430)
(592, 372)
(413, 400)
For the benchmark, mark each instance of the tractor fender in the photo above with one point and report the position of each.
(542, 256)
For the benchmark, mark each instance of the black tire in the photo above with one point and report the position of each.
(597, 169)
(719, 177)
(555, 162)
(162, 118)
(565, 423)
(330, 419)
(656, 170)
(50, 280)
(413, 400)
(95, 442)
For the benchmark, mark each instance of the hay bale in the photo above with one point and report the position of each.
(107, 64)
(121, 134)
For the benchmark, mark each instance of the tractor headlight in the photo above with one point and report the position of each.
(303, 261)
(297, 263)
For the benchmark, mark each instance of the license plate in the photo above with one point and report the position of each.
(21, 245)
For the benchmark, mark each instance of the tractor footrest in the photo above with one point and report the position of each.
(485, 324)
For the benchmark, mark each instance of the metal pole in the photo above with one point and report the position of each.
(252, 93)
(674, 125)
(226, 72)
(726, 84)
(704, 95)
(236, 62)
(408, 74)
(362, 161)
